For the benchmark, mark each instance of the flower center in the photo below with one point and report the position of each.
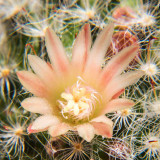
(78, 101)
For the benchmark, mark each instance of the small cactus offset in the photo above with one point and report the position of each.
(79, 80)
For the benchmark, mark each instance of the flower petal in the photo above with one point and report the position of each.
(59, 129)
(56, 51)
(36, 105)
(117, 104)
(120, 82)
(32, 83)
(103, 126)
(86, 131)
(43, 123)
(118, 93)
(99, 49)
(41, 68)
(118, 63)
(81, 48)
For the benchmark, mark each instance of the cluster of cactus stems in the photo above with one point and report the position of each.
(25, 27)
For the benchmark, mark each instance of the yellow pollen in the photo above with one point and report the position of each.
(76, 109)
(83, 105)
(78, 101)
(75, 102)
(78, 93)
(69, 106)
(67, 96)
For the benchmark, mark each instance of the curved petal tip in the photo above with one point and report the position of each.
(30, 130)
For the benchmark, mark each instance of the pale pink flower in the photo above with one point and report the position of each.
(76, 95)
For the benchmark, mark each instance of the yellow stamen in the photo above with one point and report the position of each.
(83, 105)
(76, 109)
(67, 96)
(78, 101)
(69, 106)
(78, 93)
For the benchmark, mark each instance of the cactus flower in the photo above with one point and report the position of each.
(76, 95)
